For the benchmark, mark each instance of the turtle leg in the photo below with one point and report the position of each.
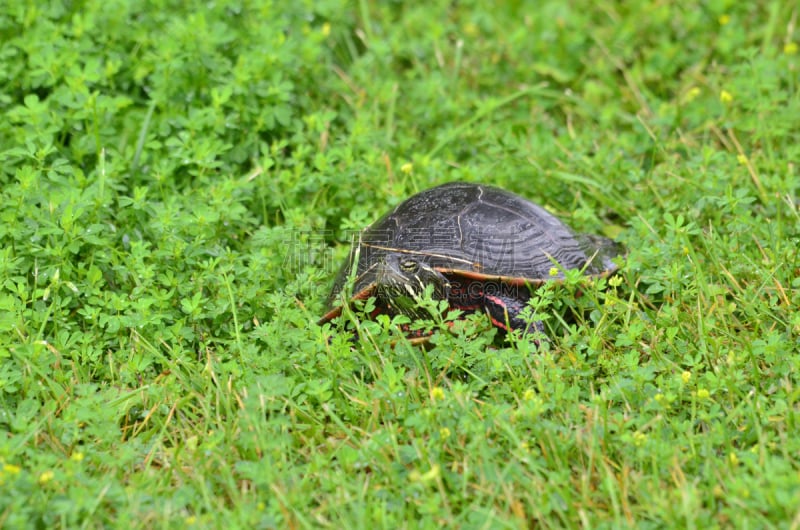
(504, 312)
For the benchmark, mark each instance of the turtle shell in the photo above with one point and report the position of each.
(476, 232)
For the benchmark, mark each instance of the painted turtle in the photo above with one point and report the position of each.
(479, 247)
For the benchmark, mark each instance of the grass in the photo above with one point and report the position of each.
(180, 184)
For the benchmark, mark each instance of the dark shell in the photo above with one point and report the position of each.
(479, 232)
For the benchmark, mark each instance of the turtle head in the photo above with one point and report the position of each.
(402, 280)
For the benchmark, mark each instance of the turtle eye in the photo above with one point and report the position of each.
(409, 265)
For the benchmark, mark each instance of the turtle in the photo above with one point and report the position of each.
(479, 247)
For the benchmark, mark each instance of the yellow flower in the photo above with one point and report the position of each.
(11, 469)
(191, 520)
(529, 394)
(326, 29)
(724, 19)
(702, 393)
(691, 94)
(733, 459)
(444, 432)
(407, 168)
(725, 96)
(790, 48)
(437, 394)
(77, 456)
(553, 271)
(639, 438)
(46, 477)
(742, 159)
(686, 376)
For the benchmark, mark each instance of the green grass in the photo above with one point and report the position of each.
(178, 187)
